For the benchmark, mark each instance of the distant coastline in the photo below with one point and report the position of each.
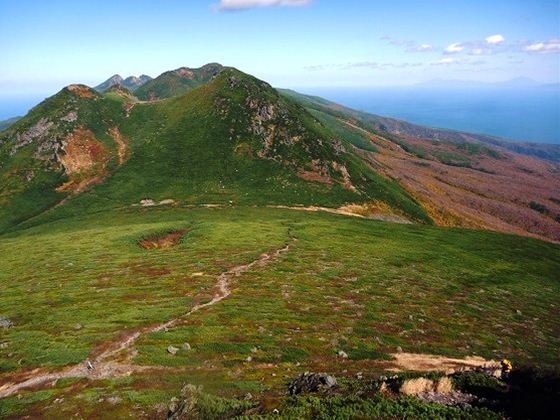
(523, 114)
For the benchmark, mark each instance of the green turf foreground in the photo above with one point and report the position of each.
(360, 286)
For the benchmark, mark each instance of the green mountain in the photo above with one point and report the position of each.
(234, 139)
(176, 82)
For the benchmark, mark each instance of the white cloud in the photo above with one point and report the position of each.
(545, 47)
(251, 4)
(445, 62)
(464, 61)
(495, 39)
(420, 48)
(454, 48)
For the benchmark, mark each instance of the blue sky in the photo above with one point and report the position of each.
(290, 43)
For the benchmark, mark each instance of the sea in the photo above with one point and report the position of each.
(524, 114)
(17, 106)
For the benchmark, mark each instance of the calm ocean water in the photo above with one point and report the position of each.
(520, 114)
(531, 114)
(13, 106)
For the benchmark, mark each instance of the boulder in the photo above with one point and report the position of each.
(6, 322)
(311, 382)
(343, 354)
(172, 350)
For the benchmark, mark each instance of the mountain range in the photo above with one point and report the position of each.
(131, 82)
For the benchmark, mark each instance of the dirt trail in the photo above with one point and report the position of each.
(115, 359)
(394, 218)
(122, 150)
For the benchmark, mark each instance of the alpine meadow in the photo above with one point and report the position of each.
(204, 245)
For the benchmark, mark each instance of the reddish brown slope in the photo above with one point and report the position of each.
(490, 190)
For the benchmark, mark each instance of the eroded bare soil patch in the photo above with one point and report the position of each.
(435, 363)
(84, 160)
(166, 241)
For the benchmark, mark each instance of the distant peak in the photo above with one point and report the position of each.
(131, 82)
(82, 91)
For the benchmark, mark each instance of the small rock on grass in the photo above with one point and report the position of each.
(6, 322)
(172, 350)
(311, 382)
(186, 346)
(343, 354)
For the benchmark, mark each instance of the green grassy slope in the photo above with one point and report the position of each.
(30, 170)
(85, 280)
(234, 139)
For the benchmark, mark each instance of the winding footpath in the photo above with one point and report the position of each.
(116, 359)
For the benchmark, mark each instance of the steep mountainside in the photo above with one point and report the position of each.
(64, 145)
(131, 83)
(176, 82)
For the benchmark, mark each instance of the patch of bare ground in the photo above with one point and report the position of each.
(346, 181)
(114, 359)
(313, 176)
(435, 363)
(82, 91)
(354, 210)
(164, 241)
(84, 159)
(417, 386)
(122, 149)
